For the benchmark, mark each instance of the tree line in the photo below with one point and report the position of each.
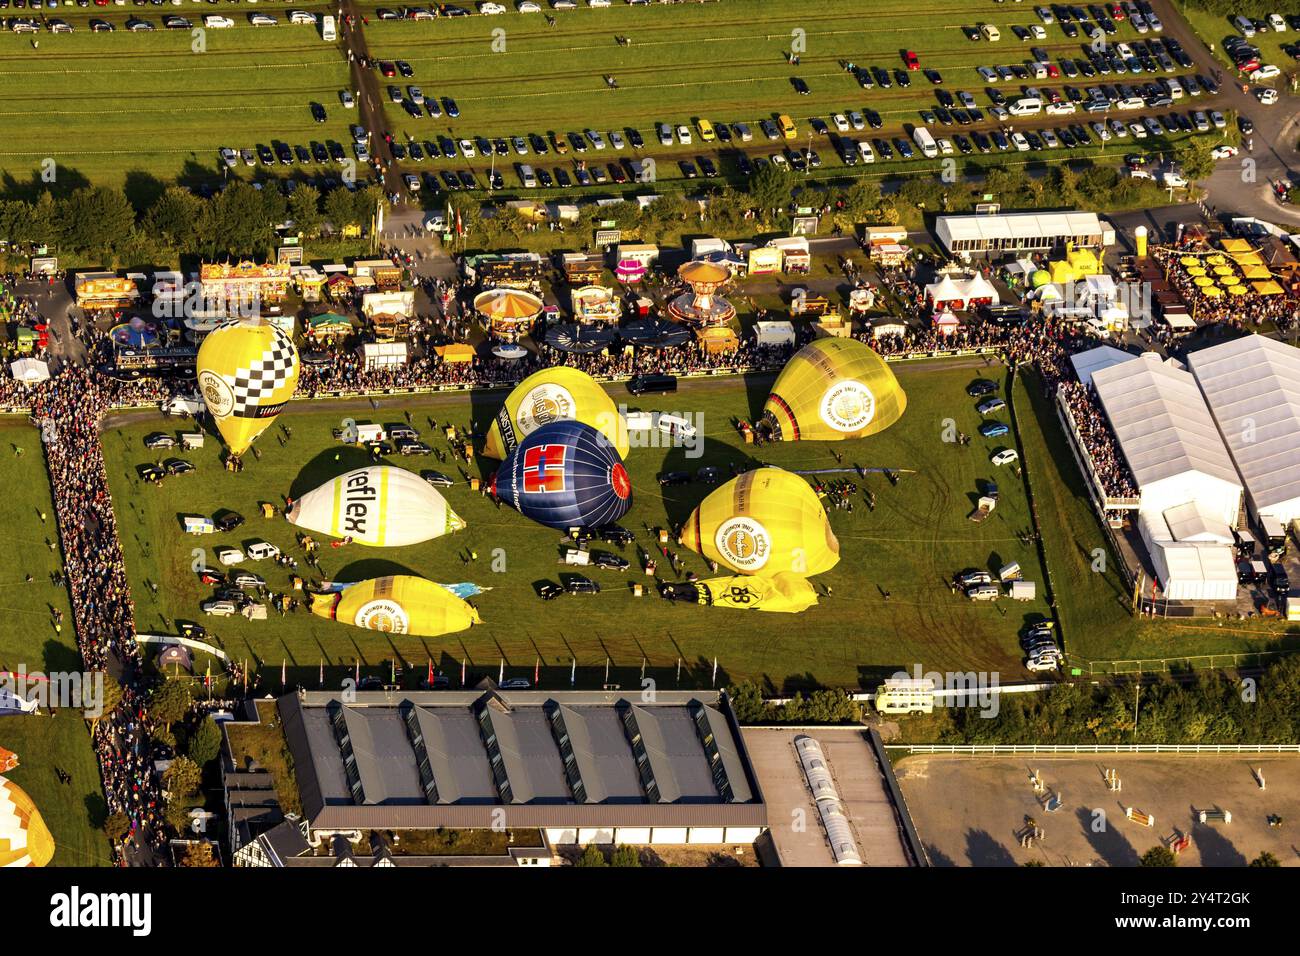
(99, 223)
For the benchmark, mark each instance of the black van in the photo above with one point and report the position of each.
(646, 384)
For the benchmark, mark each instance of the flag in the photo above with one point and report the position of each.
(573, 672)
(284, 673)
(357, 678)
(460, 224)
(322, 672)
(537, 672)
(462, 672)
(501, 671)
(429, 677)
(207, 680)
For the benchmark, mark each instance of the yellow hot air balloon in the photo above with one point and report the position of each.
(247, 371)
(554, 394)
(832, 389)
(764, 522)
(24, 838)
(397, 605)
(782, 592)
(380, 506)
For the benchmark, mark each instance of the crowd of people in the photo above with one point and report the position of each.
(68, 410)
(1247, 311)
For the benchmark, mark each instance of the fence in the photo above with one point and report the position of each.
(995, 750)
(1191, 662)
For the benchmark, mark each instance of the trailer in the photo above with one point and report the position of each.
(983, 509)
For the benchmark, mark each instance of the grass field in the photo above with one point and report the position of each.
(910, 546)
(74, 812)
(134, 107)
(725, 62)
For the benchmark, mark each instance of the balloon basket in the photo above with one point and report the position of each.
(474, 484)
(638, 590)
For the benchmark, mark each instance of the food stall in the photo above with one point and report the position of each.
(243, 281)
(595, 303)
(104, 290)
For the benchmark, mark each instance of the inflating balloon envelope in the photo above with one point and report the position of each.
(764, 522)
(833, 389)
(247, 372)
(400, 604)
(552, 395)
(379, 506)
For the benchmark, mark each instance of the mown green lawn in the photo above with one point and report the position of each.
(74, 812)
(129, 108)
(910, 546)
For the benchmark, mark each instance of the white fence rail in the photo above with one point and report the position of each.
(993, 750)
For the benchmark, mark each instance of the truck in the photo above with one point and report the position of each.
(925, 142)
(1274, 534)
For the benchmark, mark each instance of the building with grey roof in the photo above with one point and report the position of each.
(581, 766)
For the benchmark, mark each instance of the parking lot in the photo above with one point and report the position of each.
(970, 810)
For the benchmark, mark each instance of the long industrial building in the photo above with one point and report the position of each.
(582, 767)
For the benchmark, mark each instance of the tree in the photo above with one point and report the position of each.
(340, 210)
(175, 217)
(205, 744)
(182, 778)
(94, 221)
(1195, 158)
(747, 703)
(169, 702)
(861, 201)
(625, 856)
(1265, 859)
(591, 856)
(117, 826)
(1158, 856)
(769, 188)
(304, 210)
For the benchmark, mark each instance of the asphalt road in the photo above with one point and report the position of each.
(366, 81)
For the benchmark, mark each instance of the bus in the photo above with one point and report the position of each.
(327, 29)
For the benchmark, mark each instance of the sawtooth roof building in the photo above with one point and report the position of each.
(580, 766)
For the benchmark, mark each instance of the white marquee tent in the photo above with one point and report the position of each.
(1252, 387)
(1166, 435)
(1089, 362)
(1188, 570)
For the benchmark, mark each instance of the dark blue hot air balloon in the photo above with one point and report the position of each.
(565, 475)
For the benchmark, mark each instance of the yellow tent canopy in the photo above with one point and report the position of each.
(458, 352)
(1248, 259)
(1062, 272)
(1257, 272)
(1084, 262)
(1223, 270)
(1190, 261)
(1236, 290)
(1216, 259)
(1234, 245)
(718, 339)
(507, 304)
(1267, 288)
(1195, 271)
(1203, 281)
(1212, 291)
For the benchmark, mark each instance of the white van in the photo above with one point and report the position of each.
(1245, 26)
(327, 29)
(925, 142)
(1025, 106)
(365, 434)
(183, 405)
(865, 151)
(214, 21)
(261, 550)
(527, 176)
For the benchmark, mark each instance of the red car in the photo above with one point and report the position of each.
(1116, 12)
(387, 69)
(910, 59)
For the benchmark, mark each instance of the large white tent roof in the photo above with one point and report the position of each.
(1252, 386)
(1090, 362)
(1161, 422)
(1023, 225)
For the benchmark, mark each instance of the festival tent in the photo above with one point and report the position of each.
(1259, 273)
(1084, 262)
(1267, 288)
(1091, 361)
(1167, 437)
(1063, 272)
(978, 290)
(718, 339)
(1234, 245)
(945, 294)
(30, 370)
(458, 352)
(946, 323)
(1252, 387)
(773, 333)
(1188, 570)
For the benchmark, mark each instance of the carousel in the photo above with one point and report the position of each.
(595, 303)
(508, 313)
(701, 306)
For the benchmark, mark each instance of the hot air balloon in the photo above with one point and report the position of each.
(247, 371)
(832, 389)
(554, 394)
(782, 592)
(397, 605)
(565, 475)
(764, 522)
(24, 838)
(380, 506)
